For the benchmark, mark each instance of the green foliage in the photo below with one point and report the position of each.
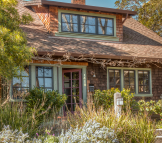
(149, 12)
(49, 138)
(40, 107)
(44, 101)
(14, 115)
(105, 98)
(150, 107)
(129, 128)
(159, 125)
(129, 102)
(14, 53)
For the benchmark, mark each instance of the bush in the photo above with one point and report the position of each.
(105, 98)
(150, 107)
(92, 131)
(44, 101)
(40, 107)
(8, 135)
(159, 124)
(128, 128)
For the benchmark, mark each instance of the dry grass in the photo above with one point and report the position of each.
(129, 128)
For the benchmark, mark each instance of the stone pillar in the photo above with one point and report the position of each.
(117, 108)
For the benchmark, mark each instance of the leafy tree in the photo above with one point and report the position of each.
(149, 12)
(14, 53)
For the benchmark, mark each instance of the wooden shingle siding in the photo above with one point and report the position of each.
(100, 81)
(49, 17)
(43, 14)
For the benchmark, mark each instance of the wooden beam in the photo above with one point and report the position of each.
(64, 63)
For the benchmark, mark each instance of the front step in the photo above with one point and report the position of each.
(158, 139)
(159, 136)
(159, 132)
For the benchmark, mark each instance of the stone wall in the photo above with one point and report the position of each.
(49, 17)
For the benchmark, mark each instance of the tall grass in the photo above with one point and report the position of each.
(14, 115)
(36, 120)
(129, 128)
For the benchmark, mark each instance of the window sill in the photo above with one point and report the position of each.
(17, 100)
(86, 36)
(143, 95)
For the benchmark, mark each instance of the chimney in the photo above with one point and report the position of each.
(78, 2)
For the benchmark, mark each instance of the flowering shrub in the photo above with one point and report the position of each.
(90, 132)
(7, 136)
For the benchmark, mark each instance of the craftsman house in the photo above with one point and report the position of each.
(92, 48)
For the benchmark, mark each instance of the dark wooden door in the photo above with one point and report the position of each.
(72, 87)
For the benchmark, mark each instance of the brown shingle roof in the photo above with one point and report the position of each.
(138, 40)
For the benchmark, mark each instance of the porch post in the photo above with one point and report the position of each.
(60, 79)
(33, 77)
(55, 87)
(84, 84)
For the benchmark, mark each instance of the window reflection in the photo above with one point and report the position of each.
(87, 24)
(20, 84)
(69, 23)
(114, 78)
(143, 82)
(129, 80)
(44, 78)
(105, 26)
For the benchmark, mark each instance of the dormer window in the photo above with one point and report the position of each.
(87, 24)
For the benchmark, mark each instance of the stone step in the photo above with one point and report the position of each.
(159, 132)
(158, 139)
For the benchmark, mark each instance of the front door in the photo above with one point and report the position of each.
(72, 88)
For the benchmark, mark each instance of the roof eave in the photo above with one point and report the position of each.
(101, 56)
(79, 6)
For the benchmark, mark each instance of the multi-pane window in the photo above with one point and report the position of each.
(105, 26)
(69, 23)
(143, 82)
(114, 78)
(129, 80)
(20, 84)
(136, 80)
(87, 24)
(44, 78)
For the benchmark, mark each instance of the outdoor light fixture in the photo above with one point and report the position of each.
(161, 96)
(120, 101)
(93, 73)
